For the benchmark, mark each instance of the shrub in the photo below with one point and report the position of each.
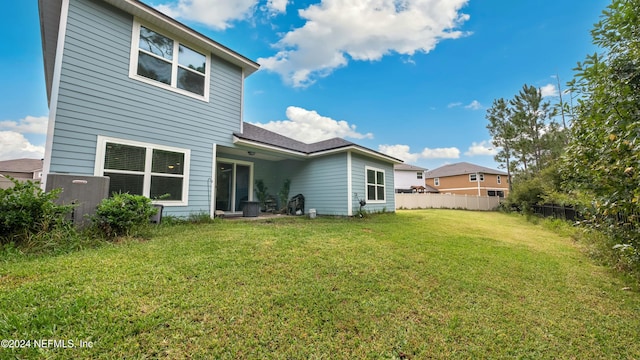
(123, 214)
(29, 216)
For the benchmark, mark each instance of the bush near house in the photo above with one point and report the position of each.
(123, 214)
(30, 218)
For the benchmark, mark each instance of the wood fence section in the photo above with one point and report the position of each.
(446, 201)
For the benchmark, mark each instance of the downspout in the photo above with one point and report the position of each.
(349, 185)
(214, 168)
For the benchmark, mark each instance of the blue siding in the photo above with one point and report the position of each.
(97, 97)
(358, 166)
(322, 181)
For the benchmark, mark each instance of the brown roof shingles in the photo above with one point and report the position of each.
(21, 165)
(263, 136)
(461, 168)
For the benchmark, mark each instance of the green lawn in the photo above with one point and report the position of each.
(417, 284)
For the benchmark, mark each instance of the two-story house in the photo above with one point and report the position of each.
(468, 179)
(410, 179)
(157, 107)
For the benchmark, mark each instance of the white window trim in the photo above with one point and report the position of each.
(133, 65)
(499, 179)
(436, 181)
(481, 175)
(366, 185)
(419, 175)
(99, 166)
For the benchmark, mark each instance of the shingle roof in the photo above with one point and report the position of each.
(263, 136)
(21, 165)
(431, 189)
(408, 167)
(461, 168)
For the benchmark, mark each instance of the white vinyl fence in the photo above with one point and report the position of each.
(446, 201)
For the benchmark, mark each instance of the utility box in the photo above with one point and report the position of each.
(250, 208)
(83, 191)
(157, 218)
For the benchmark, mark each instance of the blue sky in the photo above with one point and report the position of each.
(409, 78)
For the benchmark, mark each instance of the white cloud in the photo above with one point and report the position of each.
(474, 105)
(366, 30)
(441, 153)
(277, 6)
(308, 126)
(482, 148)
(549, 90)
(403, 152)
(28, 125)
(214, 13)
(14, 145)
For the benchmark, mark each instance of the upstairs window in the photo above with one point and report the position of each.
(499, 179)
(163, 61)
(375, 185)
(436, 181)
(419, 175)
(474, 177)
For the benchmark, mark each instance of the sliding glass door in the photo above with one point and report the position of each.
(233, 185)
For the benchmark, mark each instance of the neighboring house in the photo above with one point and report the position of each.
(22, 169)
(468, 179)
(156, 106)
(410, 179)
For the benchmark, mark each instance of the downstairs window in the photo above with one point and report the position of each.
(155, 171)
(375, 185)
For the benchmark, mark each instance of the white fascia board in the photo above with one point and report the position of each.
(272, 148)
(360, 150)
(55, 86)
(352, 148)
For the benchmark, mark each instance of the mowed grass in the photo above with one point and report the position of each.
(416, 284)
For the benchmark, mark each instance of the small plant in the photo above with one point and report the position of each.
(123, 214)
(29, 216)
(261, 193)
(199, 218)
(283, 195)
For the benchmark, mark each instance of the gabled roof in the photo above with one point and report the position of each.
(253, 135)
(408, 167)
(21, 165)
(51, 11)
(461, 168)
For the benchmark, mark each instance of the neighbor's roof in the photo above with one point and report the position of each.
(461, 168)
(256, 135)
(21, 165)
(408, 167)
(51, 10)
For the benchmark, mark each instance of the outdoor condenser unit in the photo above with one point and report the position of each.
(85, 192)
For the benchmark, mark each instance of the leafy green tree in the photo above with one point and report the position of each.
(531, 115)
(603, 158)
(502, 132)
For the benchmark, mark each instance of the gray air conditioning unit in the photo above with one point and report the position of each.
(85, 192)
